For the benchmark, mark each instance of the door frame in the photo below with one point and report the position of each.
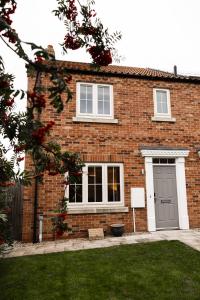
(179, 156)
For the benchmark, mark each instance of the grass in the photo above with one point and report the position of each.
(160, 270)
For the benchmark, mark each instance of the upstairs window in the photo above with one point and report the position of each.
(162, 106)
(94, 100)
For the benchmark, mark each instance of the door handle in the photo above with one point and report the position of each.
(154, 197)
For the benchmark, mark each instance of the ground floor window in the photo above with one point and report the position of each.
(100, 183)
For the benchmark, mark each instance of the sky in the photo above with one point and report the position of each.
(155, 33)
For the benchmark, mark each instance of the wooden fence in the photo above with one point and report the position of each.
(14, 200)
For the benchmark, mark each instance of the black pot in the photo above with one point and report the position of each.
(117, 229)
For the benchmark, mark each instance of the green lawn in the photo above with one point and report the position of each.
(159, 270)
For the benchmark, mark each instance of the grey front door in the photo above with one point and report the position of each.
(165, 197)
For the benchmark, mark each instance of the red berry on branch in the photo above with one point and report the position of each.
(7, 183)
(39, 59)
(31, 95)
(36, 99)
(59, 233)
(90, 30)
(53, 173)
(9, 102)
(20, 159)
(52, 123)
(12, 38)
(62, 215)
(100, 56)
(71, 13)
(92, 13)
(5, 118)
(19, 148)
(71, 42)
(68, 78)
(4, 84)
(7, 19)
(65, 182)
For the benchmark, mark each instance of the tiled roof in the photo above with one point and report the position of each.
(127, 71)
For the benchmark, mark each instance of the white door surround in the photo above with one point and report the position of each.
(179, 156)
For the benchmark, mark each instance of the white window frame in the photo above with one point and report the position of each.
(94, 114)
(104, 202)
(156, 113)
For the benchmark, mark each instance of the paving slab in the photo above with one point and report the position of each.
(189, 237)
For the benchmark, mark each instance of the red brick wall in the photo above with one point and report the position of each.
(133, 107)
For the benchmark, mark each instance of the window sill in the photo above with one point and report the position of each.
(95, 120)
(96, 210)
(163, 119)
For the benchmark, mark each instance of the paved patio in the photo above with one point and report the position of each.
(188, 237)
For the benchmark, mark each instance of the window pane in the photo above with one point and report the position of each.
(100, 107)
(117, 192)
(106, 91)
(110, 193)
(99, 193)
(94, 184)
(107, 108)
(74, 179)
(161, 97)
(91, 175)
(79, 193)
(100, 93)
(104, 100)
(75, 188)
(89, 107)
(99, 175)
(163, 161)
(113, 184)
(83, 108)
(159, 106)
(113, 175)
(72, 194)
(85, 91)
(164, 107)
(116, 175)
(113, 192)
(91, 195)
(156, 160)
(89, 92)
(110, 175)
(171, 161)
(82, 92)
(75, 193)
(86, 105)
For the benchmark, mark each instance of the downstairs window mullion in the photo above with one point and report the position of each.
(85, 185)
(104, 183)
(95, 89)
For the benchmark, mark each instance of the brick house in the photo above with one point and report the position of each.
(137, 131)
